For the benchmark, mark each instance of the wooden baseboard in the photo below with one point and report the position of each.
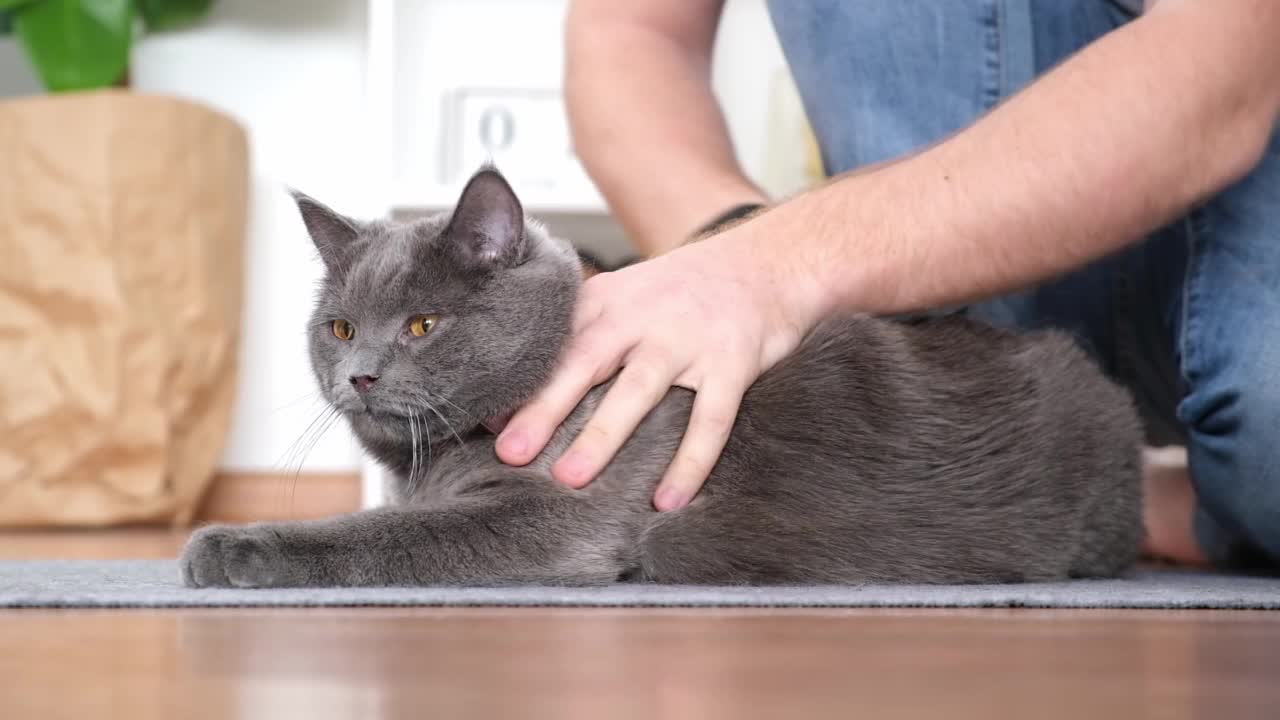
(256, 497)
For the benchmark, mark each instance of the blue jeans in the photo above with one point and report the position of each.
(1188, 319)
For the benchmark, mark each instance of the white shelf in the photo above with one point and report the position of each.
(433, 78)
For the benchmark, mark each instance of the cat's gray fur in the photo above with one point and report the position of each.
(937, 452)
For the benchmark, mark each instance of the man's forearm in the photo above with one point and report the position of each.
(1118, 140)
(646, 124)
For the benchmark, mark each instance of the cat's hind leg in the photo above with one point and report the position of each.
(740, 543)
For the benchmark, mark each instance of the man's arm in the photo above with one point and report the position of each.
(644, 120)
(1119, 139)
(1122, 137)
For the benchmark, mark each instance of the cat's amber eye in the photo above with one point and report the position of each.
(343, 330)
(422, 324)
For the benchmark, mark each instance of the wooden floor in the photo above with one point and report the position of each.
(563, 663)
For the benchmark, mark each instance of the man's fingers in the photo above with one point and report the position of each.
(715, 408)
(642, 383)
(592, 358)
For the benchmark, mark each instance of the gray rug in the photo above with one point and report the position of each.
(154, 583)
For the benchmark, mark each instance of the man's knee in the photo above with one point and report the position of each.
(1233, 423)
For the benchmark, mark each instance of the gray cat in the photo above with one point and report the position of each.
(942, 451)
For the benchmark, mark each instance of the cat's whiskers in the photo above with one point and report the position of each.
(311, 397)
(413, 450)
(443, 420)
(294, 450)
(426, 431)
(417, 451)
(477, 420)
(458, 407)
(311, 437)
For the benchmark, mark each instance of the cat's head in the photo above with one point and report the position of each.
(439, 323)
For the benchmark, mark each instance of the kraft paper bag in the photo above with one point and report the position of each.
(122, 225)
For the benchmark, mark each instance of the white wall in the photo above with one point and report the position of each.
(762, 107)
(293, 71)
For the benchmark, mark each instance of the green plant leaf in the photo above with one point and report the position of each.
(160, 15)
(77, 44)
(7, 9)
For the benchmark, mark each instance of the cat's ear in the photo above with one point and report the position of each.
(488, 223)
(333, 234)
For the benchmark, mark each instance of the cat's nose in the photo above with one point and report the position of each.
(363, 383)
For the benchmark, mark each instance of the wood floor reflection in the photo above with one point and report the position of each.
(618, 663)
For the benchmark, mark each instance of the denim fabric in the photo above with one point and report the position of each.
(1188, 319)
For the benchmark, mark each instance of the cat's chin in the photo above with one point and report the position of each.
(356, 410)
(375, 416)
(378, 428)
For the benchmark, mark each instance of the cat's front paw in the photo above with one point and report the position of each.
(235, 556)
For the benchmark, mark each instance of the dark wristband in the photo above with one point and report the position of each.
(736, 212)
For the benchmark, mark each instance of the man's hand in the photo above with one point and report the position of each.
(710, 317)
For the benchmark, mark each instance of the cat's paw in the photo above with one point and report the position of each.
(234, 556)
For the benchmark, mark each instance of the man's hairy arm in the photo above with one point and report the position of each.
(1121, 138)
(645, 123)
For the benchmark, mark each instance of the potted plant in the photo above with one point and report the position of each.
(84, 44)
(122, 223)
